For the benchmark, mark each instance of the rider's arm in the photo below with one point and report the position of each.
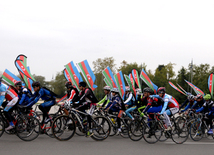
(129, 98)
(71, 96)
(194, 105)
(166, 101)
(200, 109)
(109, 104)
(187, 107)
(22, 99)
(2, 95)
(102, 101)
(36, 99)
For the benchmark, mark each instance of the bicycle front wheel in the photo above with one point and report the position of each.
(63, 128)
(27, 128)
(2, 127)
(136, 128)
(196, 133)
(180, 131)
(152, 132)
(101, 128)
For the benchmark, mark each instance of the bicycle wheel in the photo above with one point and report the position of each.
(27, 128)
(152, 132)
(114, 125)
(179, 131)
(101, 128)
(63, 128)
(2, 127)
(136, 128)
(196, 133)
(79, 129)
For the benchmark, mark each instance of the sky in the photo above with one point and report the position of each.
(53, 33)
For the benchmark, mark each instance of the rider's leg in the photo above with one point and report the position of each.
(130, 110)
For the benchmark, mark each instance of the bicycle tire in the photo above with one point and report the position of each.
(195, 131)
(152, 133)
(101, 128)
(27, 128)
(61, 130)
(2, 127)
(136, 128)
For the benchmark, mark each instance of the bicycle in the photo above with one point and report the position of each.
(26, 127)
(199, 129)
(65, 131)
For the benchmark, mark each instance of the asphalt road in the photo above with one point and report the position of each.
(44, 145)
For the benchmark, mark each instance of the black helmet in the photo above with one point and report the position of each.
(149, 90)
(18, 83)
(36, 84)
(68, 84)
(83, 84)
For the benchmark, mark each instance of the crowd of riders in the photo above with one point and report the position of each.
(145, 102)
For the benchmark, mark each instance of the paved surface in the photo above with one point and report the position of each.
(12, 145)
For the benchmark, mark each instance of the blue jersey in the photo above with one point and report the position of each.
(44, 94)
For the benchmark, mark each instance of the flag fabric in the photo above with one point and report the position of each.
(87, 74)
(136, 78)
(148, 82)
(120, 83)
(67, 75)
(73, 74)
(132, 88)
(107, 73)
(211, 83)
(182, 89)
(9, 77)
(176, 88)
(107, 83)
(132, 79)
(196, 89)
(63, 98)
(27, 80)
(21, 65)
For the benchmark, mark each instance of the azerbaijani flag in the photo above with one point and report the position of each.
(132, 79)
(147, 80)
(9, 77)
(136, 78)
(72, 73)
(27, 80)
(176, 88)
(211, 83)
(107, 73)
(182, 88)
(67, 75)
(21, 65)
(87, 74)
(120, 83)
(132, 88)
(196, 89)
(107, 83)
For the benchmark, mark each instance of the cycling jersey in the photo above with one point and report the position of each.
(129, 99)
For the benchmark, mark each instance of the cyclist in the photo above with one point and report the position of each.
(170, 106)
(72, 95)
(116, 105)
(208, 110)
(129, 98)
(191, 102)
(87, 100)
(107, 98)
(46, 95)
(154, 105)
(186, 101)
(23, 93)
(199, 102)
(6, 92)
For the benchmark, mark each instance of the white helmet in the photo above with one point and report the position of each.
(127, 88)
(107, 88)
(116, 90)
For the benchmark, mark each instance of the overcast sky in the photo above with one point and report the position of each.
(53, 33)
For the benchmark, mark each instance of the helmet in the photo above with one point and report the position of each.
(36, 84)
(82, 83)
(207, 97)
(18, 83)
(199, 96)
(115, 90)
(149, 90)
(191, 97)
(138, 91)
(161, 90)
(68, 84)
(107, 88)
(127, 88)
